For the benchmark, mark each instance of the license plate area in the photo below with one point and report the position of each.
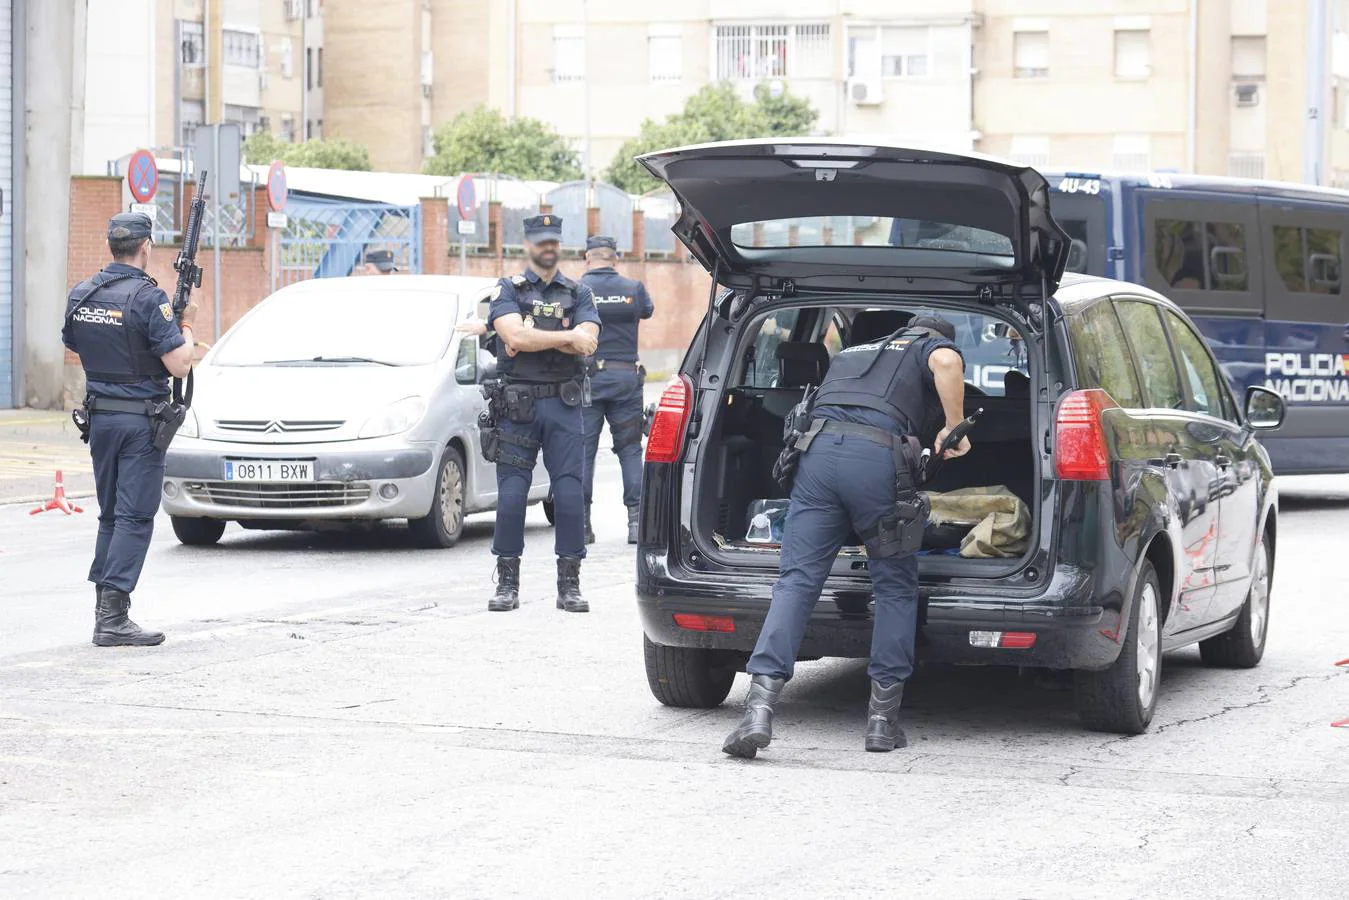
(273, 471)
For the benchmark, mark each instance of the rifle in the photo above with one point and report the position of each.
(189, 276)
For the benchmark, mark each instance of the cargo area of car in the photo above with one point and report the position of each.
(741, 443)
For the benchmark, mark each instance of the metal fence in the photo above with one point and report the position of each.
(325, 238)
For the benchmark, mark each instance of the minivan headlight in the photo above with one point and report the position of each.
(189, 426)
(394, 418)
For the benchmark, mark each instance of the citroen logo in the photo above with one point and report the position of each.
(274, 427)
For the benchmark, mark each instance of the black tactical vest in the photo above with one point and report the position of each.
(884, 375)
(111, 348)
(543, 366)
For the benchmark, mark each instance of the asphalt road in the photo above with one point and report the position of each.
(338, 716)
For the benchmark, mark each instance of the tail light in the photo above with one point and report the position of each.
(694, 622)
(666, 440)
(1080, 451)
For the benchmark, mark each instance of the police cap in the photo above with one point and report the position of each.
(547, 227)
(934, 323)
(381, 259)
(600, 242)
(129, 226)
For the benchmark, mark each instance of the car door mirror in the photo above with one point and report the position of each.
(1265, 409)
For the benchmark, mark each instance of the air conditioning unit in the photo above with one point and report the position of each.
(864, 91)
(294, 9)
(1248, 94)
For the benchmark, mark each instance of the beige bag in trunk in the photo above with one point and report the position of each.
(1000, 520)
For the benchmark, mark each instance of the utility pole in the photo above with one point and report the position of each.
(1318, 88)
(585, 78)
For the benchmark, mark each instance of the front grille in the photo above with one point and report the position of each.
(278, 426)
(311, 495)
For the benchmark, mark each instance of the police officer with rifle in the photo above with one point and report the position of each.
(545, 325)
(130, 340)
(854, 465)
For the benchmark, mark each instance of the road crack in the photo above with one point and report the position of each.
(1266, 696)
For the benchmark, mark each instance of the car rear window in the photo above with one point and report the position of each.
(870, 231)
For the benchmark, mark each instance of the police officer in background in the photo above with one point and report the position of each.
(856, 462)
(123, 327)
(616, 379)
(380, 262)
(545, 324)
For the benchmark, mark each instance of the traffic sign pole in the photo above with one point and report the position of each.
(467, 201)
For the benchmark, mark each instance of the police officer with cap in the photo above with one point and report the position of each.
(546, 325)
(857, 473)
(123, 328)
(616, 378)
(379, 262)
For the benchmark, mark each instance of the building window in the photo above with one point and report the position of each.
(1030, 52)
(191, 44)
(1132, 153)
(287, 59)
(1030, 150)
(288, 128)
(904, 52)
(249, 118)
(665, 46)
(318, 130)
(569, 53)
(756, 52)
(1133, 54)
(240, 48)
(191, 113)
(1248, 58)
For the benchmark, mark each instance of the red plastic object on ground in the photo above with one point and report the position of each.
(58, 500)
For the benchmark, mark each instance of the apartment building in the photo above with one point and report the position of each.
(257, 63)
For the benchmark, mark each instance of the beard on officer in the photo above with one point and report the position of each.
(857, 470)
(129, 342)
(545, 325)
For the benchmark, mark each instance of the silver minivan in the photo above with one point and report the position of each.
(339, 402)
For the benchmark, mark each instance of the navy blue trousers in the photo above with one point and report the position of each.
(128, 475)
(844, 484)
(560, 431)
(616, 396)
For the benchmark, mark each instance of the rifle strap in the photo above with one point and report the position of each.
(182, 390)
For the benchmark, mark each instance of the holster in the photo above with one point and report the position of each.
(519, 402)
(798, 430)
(80, 416)
(575, 393)
(901, 533)
(167, 418)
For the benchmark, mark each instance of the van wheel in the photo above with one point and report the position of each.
(444, 525)
(1122, 698)
(688, 677)
(549, 512)
(1244, 645)
(197, 532)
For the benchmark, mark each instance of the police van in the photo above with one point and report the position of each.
(1259, 268)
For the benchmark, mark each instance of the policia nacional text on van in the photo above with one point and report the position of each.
(130, 341)
(855, 466)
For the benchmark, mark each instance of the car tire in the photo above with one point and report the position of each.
(1244, 645)
(549, 511)
(442, 527)
(688, 677)
(1122, 698)
(195, 532)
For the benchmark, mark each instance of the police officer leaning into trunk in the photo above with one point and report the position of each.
(858, 459)
(616, 378)
(123, 327)
(546, 324)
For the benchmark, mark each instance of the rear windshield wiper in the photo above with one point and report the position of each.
(328, 359)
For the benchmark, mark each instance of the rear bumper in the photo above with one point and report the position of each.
(1073, 626)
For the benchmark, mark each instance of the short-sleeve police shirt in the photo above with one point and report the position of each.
(507, 303)
(622, 304)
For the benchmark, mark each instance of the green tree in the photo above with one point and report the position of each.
(482, 140)
(262, 148)
(715, 113)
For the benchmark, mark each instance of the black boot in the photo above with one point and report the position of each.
(632, 524)
(590, 532)
(112, 627)
(507, 596)
(755, 730)
(883, 731)
(569, 585)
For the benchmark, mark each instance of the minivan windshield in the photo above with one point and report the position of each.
(343, 327)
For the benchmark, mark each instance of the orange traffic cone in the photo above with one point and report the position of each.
(58, 500)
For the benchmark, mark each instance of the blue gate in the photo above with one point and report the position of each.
(326, 238)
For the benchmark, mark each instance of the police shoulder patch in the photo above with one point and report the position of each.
(167, 310)
(496, 293)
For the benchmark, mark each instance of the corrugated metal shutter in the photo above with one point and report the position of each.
(7, 211)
